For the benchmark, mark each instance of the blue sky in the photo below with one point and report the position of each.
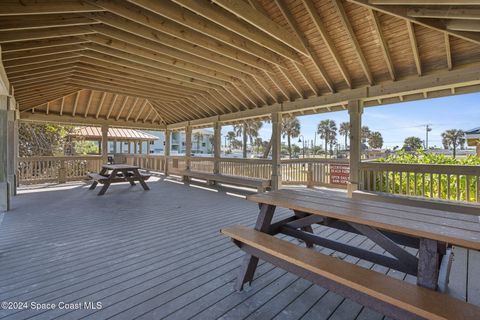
(398, 121)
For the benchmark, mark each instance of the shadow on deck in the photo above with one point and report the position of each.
(159, 254)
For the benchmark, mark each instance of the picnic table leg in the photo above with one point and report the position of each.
(95, 183)
(137, 174)
(107, 183)
(428, 264)
(308, 229)
(249, 263)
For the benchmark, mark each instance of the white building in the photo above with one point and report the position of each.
(202, 142)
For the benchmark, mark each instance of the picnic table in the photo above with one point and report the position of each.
(418, 241)
(115, 173)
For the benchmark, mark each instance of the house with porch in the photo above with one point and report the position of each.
(314, 238)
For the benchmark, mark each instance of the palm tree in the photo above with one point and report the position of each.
(198, 136)
(453, 138)
(230, 137)
(290, 129)
(345, 131)
(365, 133)
(375, 140)
(327, 129)
(248, 130)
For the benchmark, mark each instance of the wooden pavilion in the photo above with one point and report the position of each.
(186, 64)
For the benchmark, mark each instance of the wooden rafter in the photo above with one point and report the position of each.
(414, 46)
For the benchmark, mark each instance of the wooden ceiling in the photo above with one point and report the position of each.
(192, 59)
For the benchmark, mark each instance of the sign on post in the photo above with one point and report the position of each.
(339, 173)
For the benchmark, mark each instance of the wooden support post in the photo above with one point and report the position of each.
(140, 147)
(62, 172)
(135, 147)
(166, 150)
(104, 143)
(114, 146)
(217, 145)
(276, 146)
(188, 145)
(148, 147)
(4, 185)
(355, 110)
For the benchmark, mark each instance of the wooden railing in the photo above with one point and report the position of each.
(56, 169)
(315, 172)
(147, 162)
(202, 164)
(446, 182)
(253, 168)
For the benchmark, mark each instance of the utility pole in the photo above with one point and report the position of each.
(427, 130)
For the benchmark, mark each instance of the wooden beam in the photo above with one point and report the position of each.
(243, 10)
(124, 103)
(44, 33)
(100, 105)
(353, 39)
(75, 104)
(464, 25)
(383, 43)
(41, 44)
(205, 18)
(426, 2)
(401, 11)
(414, 46)
(444, 13)
(89, 103)
(141, 110)
(448, 50)
(26, 7)
(134, 104)
(112, 105)
(51, 118)
(303, 39)
(62, 105)
(14, 23)
(317, 21)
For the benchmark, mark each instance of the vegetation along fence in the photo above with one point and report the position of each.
(446, 182)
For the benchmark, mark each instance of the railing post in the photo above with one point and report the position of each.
(105, 143)
(166, 150)
(355, 110)
(309, 175)
(217, 144)
(188, 146)
(276, 145)
(62, 172)
(4, 147)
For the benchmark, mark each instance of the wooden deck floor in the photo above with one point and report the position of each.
(159, 255)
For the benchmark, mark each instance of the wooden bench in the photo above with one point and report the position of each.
(260, 184)
(387, 295)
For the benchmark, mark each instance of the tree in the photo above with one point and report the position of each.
(198, 136)
(375, 140)
(42, 139)
(414, 143)
(230, 137)
(345, 131)
(248, 130)
(290, 129)
(365, 133)
(327, 129)
(453, 138)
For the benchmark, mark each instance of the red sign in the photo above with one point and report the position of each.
(339, 173)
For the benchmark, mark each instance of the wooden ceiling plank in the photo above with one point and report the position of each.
(12, 56)
(317, 21)
(153, 21)
(40, 60)
(207, 19)
(312, 54)
(41, 65)
(256, 18)
(42, 77)
(402, 12)
(40, 44)
(353, 39)
(100, 105)
(414, 46)
(383, 43)
(426, 2)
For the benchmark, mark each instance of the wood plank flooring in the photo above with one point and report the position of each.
(159, 255)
